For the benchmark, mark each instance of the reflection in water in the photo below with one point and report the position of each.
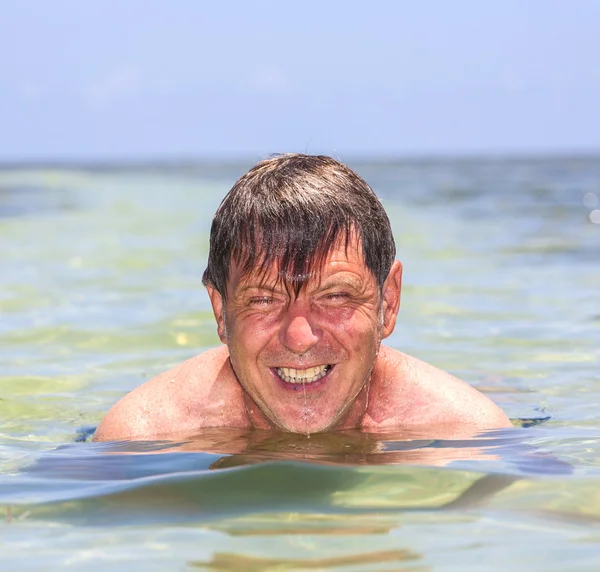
(261, 471)
(238, 447)
(237, 562)
(348, 447)
(430, 446)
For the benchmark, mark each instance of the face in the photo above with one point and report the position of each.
(303, 361)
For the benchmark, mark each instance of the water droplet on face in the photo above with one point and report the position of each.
(306, 411)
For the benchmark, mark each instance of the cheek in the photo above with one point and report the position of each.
(355, 326)
(251, 332)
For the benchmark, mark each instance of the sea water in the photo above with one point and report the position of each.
(101, 289)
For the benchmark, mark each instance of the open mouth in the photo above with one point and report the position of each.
(302, 376)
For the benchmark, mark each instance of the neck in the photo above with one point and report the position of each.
(352, 418)
(257, 419)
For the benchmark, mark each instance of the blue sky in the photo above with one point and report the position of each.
(130, 79)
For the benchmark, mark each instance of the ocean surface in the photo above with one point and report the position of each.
(101, 289)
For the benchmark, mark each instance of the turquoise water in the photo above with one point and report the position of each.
(101, 290)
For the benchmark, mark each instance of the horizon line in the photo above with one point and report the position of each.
(205, 160)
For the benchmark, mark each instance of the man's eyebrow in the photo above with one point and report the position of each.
(336, 280)
(255, 286)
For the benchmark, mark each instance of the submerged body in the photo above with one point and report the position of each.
(307, 363)
(304, 287)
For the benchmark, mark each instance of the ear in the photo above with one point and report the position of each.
(218, 309)
(391, 298)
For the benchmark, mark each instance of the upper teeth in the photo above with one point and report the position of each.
(291, 375)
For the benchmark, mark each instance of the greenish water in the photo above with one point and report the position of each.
(101, 290)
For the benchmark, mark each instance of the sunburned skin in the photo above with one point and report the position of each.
(305, 364)
(335, 324)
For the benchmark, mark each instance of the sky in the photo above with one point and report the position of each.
(148, 79)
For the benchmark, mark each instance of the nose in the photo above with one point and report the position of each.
(298, 333)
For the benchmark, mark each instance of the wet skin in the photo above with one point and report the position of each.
(305, 364)
(335, 324)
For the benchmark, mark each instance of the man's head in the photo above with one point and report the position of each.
(292, 209)
(304, 286)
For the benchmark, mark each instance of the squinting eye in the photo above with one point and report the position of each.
(336, 296)
(260, 301)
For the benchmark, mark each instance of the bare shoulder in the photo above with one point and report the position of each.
(409, 391)
(200, 392)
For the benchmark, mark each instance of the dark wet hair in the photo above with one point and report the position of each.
(290, 211)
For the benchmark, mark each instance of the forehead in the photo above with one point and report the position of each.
(343, 257)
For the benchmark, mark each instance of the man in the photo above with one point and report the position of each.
(304, 286)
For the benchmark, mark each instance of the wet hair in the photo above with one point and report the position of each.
(290, 211)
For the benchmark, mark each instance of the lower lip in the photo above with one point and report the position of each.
(302, 386)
